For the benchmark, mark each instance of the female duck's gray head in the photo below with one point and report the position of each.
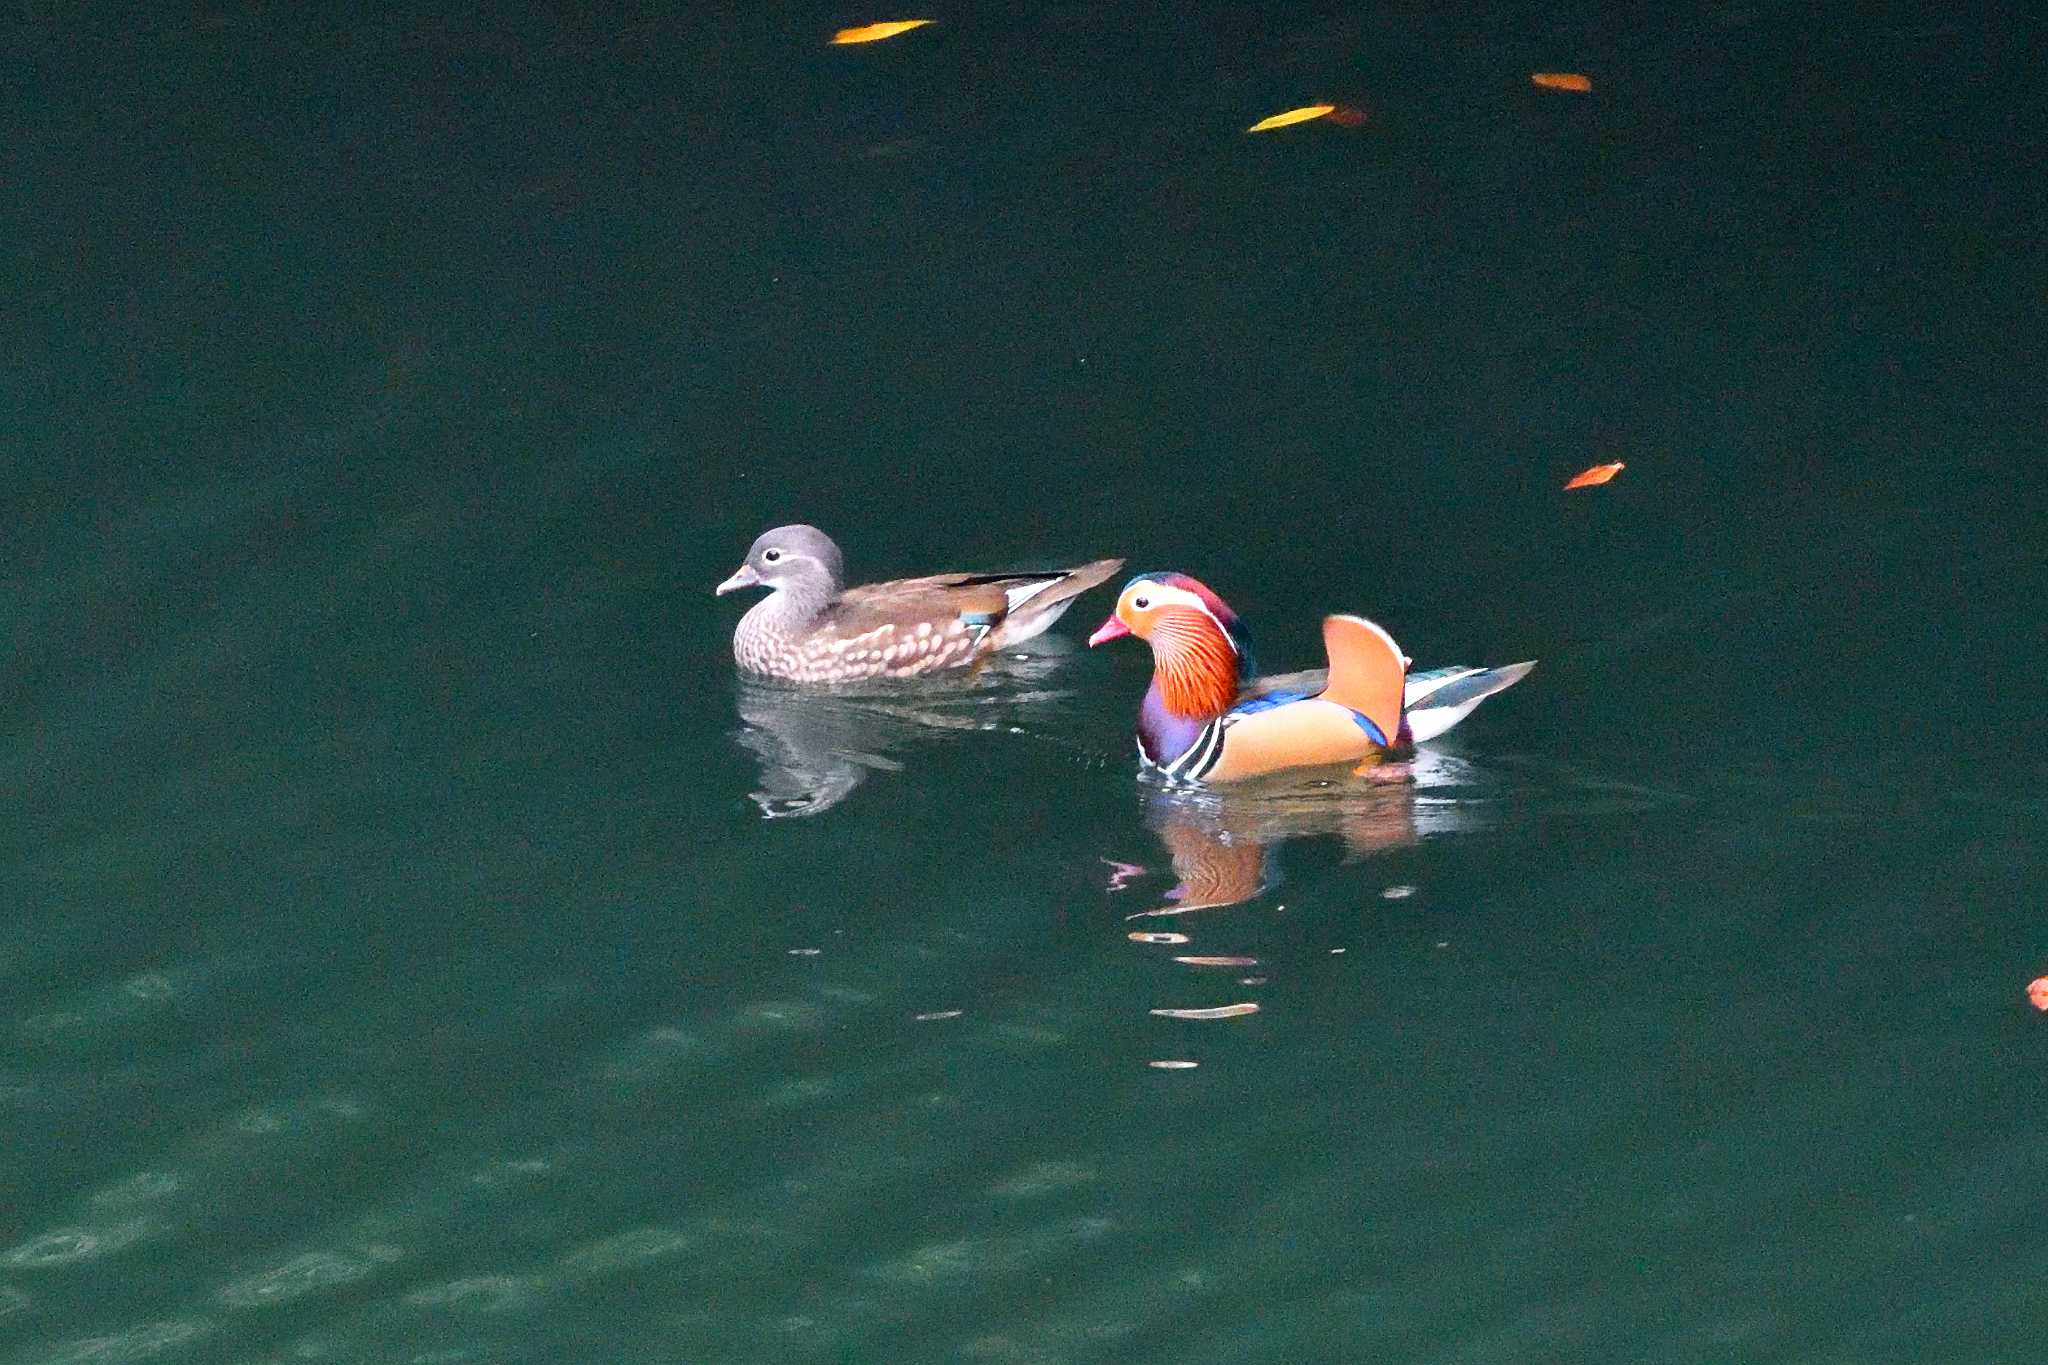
(800, 559)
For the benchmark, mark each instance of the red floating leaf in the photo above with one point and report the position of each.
(1598, 474)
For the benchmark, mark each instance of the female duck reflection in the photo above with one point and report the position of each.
(814, 748)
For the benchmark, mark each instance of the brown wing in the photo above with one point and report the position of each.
(938, 598)
(984, 597)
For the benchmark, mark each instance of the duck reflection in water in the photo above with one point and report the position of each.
(1222, 842)
(816, 746)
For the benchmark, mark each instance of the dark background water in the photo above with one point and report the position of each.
(398, 969)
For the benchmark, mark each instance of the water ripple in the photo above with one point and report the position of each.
(504, 1172)
(140, 1188)
(628, 1248)
(1044, 1178)
(260, 1121)
(478, 1294)
(150, 986)
(306, 1274)
(65, 1245)
(137, 1343)
(967, 1256)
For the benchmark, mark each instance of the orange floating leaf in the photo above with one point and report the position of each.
(1218, 1012)
(1292, 116)
(1598, 474)
(2037, 991)
(874, 33)
(1219, 961)
(1562, 80)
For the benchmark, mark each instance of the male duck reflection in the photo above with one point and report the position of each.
(1205, 719)
(812, 629)
(1220, 841)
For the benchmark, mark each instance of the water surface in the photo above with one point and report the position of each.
(402, 967)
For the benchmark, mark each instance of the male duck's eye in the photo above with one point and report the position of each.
(771, 555)
(1141, 602)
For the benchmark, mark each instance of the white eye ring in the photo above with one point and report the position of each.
(771, 555)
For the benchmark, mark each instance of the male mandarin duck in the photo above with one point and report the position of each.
(811, 629)
(1206, 720)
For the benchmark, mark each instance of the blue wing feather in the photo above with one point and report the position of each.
(1268, 702)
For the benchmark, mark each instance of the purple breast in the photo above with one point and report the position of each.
(1163, 736)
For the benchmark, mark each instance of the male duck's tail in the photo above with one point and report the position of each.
(1442, 697)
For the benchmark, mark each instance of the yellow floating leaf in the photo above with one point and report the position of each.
(1561, 80)
(1301, 115)
(874, 33)
(1598, 474)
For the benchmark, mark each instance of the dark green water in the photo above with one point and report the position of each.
(397, 966)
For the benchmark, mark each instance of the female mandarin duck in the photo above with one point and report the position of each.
(1205, 720)
(809, 629)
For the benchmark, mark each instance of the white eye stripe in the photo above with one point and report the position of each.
(1164, 595)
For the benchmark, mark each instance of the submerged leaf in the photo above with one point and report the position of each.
(874, 33)
(1301, 115)
(1218, 1012)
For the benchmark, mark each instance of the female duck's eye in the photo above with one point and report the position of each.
(771, 555)
(1141, 602)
